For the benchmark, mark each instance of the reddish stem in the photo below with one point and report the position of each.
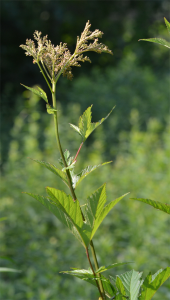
(78, 152)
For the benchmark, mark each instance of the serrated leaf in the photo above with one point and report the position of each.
(76, 179)
(38, 92)
(132, 282)
(155, 204)
(105, 268)
(153, 282)
(95, 204)
(72, 210)
(53, 169)
(50, 110)
(104, 213)
(157, 41)
(167, 25)
(9, 270)
(68, 205)
(85, 127)
(88, 276)
(61, 214)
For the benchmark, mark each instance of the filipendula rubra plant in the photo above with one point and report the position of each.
(84, 221)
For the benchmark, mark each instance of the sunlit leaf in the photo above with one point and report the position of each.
(76, 179)
(157, 41)
(72, 210)
(132, 282)
(167, 24)
(104, 213)
(50, 110)
(38, 92)
(153, 282)
(155, 204)
(85, 126)
(120, 287)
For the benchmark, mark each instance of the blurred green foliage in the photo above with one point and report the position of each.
(40, 246)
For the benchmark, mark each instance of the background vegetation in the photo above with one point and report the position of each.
(135, 137)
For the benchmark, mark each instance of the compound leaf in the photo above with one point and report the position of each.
(85, 126)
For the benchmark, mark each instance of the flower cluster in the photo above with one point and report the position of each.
(58, 60)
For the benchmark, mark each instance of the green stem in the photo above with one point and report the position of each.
(58, 141)
(94, 274)
(97, 267)
(44, 76)
(100, 284)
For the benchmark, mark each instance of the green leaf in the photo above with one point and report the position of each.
(167, 24)
(68, 158)
(9, 270)
(68, 205)
(157, 41)
(103, 268)
(58, 212)
(95, 204)
(155, 204)
(53, 169)
(104, 213)
(76, 179)
(38, 92)
(85, 127)
(50, 110)
(120, 286)
(152, 283)
(132, 282)
(73, 211)
(88, 276)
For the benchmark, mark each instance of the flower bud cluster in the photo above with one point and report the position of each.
(58, 60)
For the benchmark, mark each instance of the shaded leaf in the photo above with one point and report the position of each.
(38, 92)
(155, 204)
(85, 126)
(152, 283)
(87, 275)
(53, 169)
